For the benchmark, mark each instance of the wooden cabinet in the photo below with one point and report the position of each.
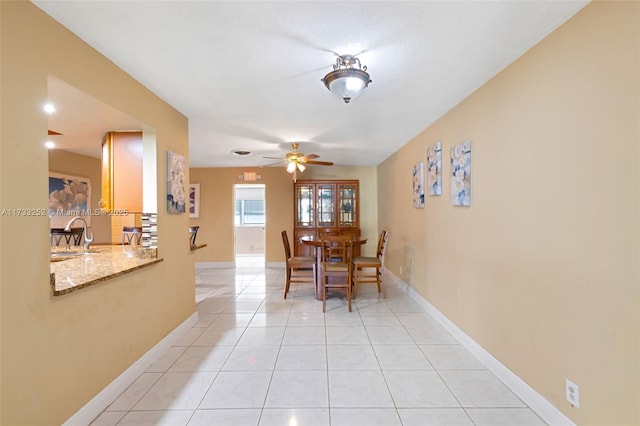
(329, 206)
(122, 171)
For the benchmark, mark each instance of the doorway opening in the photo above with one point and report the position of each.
(249, 224)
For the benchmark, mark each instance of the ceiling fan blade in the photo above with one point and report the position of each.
(273, 164)
(274, 158)
(306, 158)
(320, 163)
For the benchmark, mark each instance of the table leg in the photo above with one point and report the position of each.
(318, 274)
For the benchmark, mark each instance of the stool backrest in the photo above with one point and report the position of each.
(131, 235)
(73, 236)
(193, 233)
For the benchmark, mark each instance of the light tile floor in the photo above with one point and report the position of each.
(257, 359)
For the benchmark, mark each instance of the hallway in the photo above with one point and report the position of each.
(257, 359)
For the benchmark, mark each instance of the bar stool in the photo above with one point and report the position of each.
(193, 233)
(57, 235)
(131, 235)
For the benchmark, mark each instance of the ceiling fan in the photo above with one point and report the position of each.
(297, 161)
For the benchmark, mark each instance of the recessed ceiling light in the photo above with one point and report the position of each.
(241, 152)
(49, 108)
(49, 144)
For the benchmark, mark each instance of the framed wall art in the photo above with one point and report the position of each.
(461, 174)
(69, 196)
(176, 186)
(194, 200)
(418, 186)
(434, 169)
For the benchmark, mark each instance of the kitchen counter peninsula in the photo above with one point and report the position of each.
(74, 269)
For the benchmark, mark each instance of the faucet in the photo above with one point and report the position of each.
(88, 239)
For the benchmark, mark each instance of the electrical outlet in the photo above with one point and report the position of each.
(573, 393)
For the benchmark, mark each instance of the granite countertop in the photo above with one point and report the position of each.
(73, 272)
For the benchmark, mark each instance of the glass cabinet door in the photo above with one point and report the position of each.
(347, 204)
(326, 205)
(304, 205)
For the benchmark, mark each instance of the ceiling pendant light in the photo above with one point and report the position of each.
(348, 78)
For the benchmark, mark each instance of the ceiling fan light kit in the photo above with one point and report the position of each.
(297, 161)
(348, 78)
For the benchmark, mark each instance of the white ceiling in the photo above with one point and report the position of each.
(247, 74)
(83, 120)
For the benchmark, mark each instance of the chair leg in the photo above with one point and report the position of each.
(315, 281)
(286, 287)
(349, 283)
(379, 280)
(324, 295)
(355, 282)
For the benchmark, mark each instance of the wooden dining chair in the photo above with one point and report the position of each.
(300, 269)
(326, 232)
(335, 267)
(334, 253)
(369, 269)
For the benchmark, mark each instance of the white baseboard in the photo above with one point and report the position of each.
(220, 265)
(216, 265)
(97, 404)
(543, 408)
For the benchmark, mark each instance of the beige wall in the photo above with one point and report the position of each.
(216, 209)
(58, 353)
(542, 269)
(84, 166)
(249, 239)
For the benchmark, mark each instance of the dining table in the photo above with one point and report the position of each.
(316, 242)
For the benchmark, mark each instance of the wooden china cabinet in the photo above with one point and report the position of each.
(324, 206)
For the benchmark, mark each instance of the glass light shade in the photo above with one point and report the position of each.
(291, 167)
(347, 83)
(301, 167)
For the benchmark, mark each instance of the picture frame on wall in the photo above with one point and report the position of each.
(434, 169)
(461, 174)
(418, 186)
(176, 186)
(194, 200)
(69, 196)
